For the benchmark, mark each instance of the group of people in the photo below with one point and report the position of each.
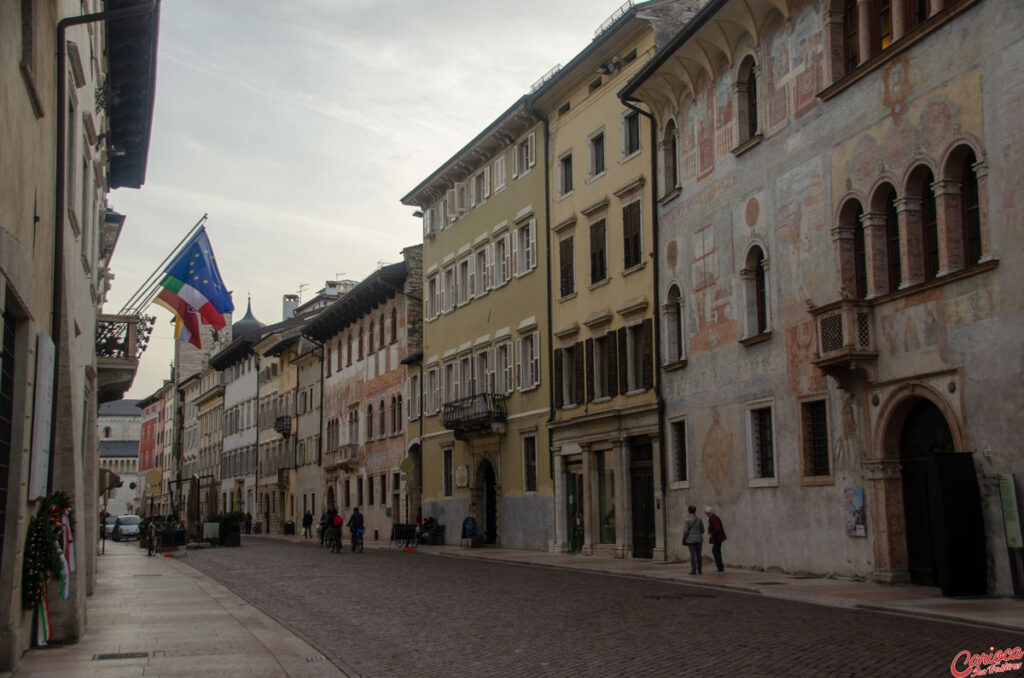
(693, 538)
(331, 525)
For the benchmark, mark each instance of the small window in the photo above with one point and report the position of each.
(594, 85)
(762, 443)
(629, 56)
(595, 149)
(563, 109)
(630, 134)
(814, 422)
(631, 235)
(679, 458)
(565, 175)
(598, 252)
(530, 463)
(566, 267)
(447, 480)
(369, 493)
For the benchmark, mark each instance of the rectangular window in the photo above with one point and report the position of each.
(359, 491)
(631, 235)
(369, 488)
(466, 281)
(484, 372)
(526, 247)
(679, 462)
(525, 155)
(448, 479)
(530, 463)
(595, 155)
(414, 396)
(481, 186)
(396, 482)
(528, 361)
(814, 422)
(430, 221)
(430, 393)
(565, 175)
(598, 252)
(636, 356)
(431, 302)
(482, 284)
(450, 289)
(383, 489)
(501, 266)
(348, 493)
(603, 359)
(467, 377)
(503, 369)
(761, 440)
(566, 267)
(630, 134)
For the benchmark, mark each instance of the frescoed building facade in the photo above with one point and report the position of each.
(840, 236)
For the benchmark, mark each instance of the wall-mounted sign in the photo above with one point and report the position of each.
(853, 505)
(462, 476)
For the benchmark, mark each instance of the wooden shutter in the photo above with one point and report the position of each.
(648, 353)
(623, 360)
(533, 244)
(506, 274)
(515, 160)
(518, 363)
(611, 358)
(453, 208)
(487, 181)
(590, 371)
(565, 267)
(559, 401)
(471, 266)
(531, 144)
(577, 354)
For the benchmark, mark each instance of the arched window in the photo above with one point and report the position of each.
(106, 432)
(755, 287)
(892, 241)
(970, 216)
(668, 157)
(398, 413)
(380, 331)
(860, 264)
(383, 428)
(929, 229)
(369, 422)
(394, 325)
(746, 94)
(673, 312)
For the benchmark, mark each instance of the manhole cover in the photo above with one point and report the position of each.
(120, 655)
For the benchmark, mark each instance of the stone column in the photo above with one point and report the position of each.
(949, 218)
(623, 499)
(876, 265)
(981, 172)
(864, 30)
(846, 261)
(908, 212)
(885, 520)
(836, 39)
(588, 500)
(659, 506)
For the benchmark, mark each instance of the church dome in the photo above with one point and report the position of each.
(247, 324)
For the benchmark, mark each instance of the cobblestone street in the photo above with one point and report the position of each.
(389, 613)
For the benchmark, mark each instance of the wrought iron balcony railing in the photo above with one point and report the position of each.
(474, 413)
(120, 341)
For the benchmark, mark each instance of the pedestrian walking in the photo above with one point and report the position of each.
(716, 535)
(693, 537)
(151, 534)
(248, 523)
(307, 524)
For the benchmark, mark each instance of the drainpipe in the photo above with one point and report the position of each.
(547, 266)
(59, 189)
(631, 104)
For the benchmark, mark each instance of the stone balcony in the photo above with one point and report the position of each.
(483, 413)
(845, 339)
(342, 457)
(120, 341)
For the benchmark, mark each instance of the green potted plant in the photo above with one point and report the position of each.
(231, 528)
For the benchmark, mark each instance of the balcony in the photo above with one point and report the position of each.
(284, 426)
(845, 340)
(481, 413)
(120, 341)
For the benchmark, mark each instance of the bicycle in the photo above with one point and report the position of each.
(332, 540)
(357, 540)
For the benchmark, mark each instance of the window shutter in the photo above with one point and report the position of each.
(487, 181)
(471, 284)
(516, 254)
(515, 160)
(491, 370)
(490, 266)
(648, 353)
(509, 368)
(506, 270)
(623, 345)
(533, 244)
(590, 371)
(577, 355)
(557, 359)
(535, 360)
(518, 363)
(434, 392)
(531, 144)
(456, 381)
(452, 205)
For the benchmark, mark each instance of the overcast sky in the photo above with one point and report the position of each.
(298, 126)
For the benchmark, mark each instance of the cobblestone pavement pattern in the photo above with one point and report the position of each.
(389, 613)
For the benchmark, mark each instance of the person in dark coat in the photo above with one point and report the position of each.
(716, 535)
(307, 525)
(693, 538)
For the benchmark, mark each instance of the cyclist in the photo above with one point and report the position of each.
(355, 525)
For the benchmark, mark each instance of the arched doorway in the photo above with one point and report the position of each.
(944, 528)
(487, 502)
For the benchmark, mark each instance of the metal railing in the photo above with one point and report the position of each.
(475, 412)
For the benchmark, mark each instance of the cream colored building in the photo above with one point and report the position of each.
(605, 440)
(485, 378)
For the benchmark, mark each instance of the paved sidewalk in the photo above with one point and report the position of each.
(921, 601)
(175, 621)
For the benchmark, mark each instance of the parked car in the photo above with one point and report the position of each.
(127, 527)
(108, 527)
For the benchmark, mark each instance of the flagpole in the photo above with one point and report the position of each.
(146, 290)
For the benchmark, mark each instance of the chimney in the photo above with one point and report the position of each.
(289, 302)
